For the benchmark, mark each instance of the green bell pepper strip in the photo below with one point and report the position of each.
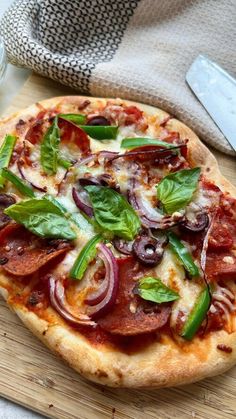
(183, 255)
(101, 132)
(140, 141)
(86, 255)
(21, 186)
(197, 315)
(98, 132)
(78, 119)
(6, 150)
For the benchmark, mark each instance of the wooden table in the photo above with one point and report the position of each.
(34, 377)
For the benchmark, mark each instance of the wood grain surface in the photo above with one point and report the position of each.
(34, 377)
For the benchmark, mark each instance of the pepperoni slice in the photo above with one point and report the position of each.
(22, 253)
(220, 237)
(131, 315)
(35, 133)
(74, 134)
(221, 266)
(69, 132)
(133, 115)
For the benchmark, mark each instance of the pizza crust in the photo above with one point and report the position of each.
(162, 364)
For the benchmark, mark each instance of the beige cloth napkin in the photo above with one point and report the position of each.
(138, 49)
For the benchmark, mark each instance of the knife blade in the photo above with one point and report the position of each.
(216, 90)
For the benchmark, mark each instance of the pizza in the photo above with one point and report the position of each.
(118, 241)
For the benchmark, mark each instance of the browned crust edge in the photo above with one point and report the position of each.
(161, 364)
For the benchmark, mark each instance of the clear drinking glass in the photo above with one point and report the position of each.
(3, 60)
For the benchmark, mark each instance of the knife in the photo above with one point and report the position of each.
(216, 90)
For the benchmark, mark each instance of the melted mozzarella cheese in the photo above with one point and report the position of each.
(114, 145)
(172, 274)
(67, 201)
(204, 198)
(35, 176)
(170, 271)
(82, 238)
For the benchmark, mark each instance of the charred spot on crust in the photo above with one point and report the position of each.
(224, 348)
(118, 373)
(100, 374)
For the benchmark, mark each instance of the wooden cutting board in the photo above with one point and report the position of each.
(34, 377)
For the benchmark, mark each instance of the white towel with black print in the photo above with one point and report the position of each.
(137, 49)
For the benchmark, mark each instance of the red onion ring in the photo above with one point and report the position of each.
(149, 216)
(58, 302)
(80, 201)
(86, 160)
(103, 154)
(99, 295)
(147, 155)
(62, 183)
(108, 154)
(20, 165)
(205, 244)
(103, 301)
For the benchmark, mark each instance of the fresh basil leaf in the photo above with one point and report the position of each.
(130, 143)
(6, 150)
(76, 217)
(175, 191)
(49, 149)
(113, 213)
(21, 186)
(78, 119)
(101, 132)
(183, 255)
(42, 218)
(86, 255)
(152, 289)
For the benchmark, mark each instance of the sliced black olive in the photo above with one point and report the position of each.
(98, 120)
(4, 219)
(148, 250)
(199, 224)
(102, 180)
(123, 246)
(5, 201)
(89, 181)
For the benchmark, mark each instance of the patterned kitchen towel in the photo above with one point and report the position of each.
(137, 49)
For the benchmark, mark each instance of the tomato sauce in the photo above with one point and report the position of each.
(221, 257)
